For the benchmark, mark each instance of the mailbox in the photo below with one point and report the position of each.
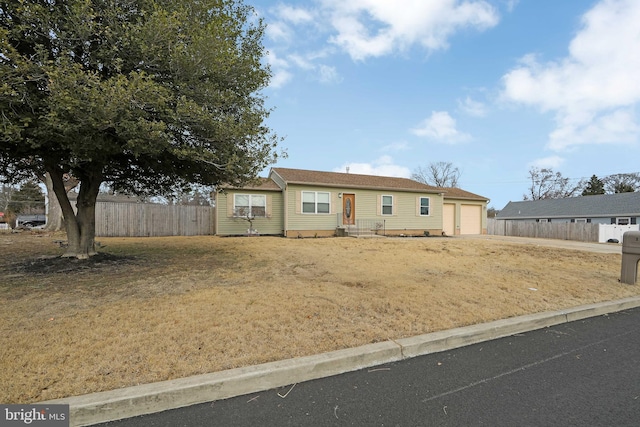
(630, 257)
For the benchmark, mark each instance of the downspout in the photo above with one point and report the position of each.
(286, 209)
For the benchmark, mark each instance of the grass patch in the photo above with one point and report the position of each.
(152, 309)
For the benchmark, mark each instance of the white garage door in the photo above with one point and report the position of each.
(449, 219)
(470, 219)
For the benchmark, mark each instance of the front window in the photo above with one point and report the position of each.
(623, 221)
(387, 205)
(424, 206)
(252, 205)
(315, 202)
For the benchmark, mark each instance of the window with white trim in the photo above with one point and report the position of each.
(316, 202)
(424, 206)
(623, 221)
(387, 205)
(581, 220)
(253, 205)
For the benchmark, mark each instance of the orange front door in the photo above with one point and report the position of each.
(349, 209)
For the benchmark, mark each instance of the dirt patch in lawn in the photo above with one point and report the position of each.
(151, 309)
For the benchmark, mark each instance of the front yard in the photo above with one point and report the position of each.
(152, 309)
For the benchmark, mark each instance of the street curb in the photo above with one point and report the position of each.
(156, 397)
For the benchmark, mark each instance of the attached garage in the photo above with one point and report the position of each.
(470, 219)
(449, 219)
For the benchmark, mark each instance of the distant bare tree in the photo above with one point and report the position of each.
(622, 183)
(438, 174)
(547, 184)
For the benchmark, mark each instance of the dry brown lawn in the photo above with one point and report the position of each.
(151, 309)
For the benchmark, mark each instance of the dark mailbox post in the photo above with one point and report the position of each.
(630, 257)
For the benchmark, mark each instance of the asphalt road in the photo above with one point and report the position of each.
(585, 373)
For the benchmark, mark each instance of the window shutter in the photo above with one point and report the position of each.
(379, 205)
(634, 220)
(418, 206)
(613, 220)
(298, 202)
(230, 203)
(395, 210)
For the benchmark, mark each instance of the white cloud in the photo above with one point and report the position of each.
(383, 166)
(295, 15)
(368, 28)
(551, 162)
(278, 31)
(511, 4)
(592, 91)
(280, 68)
(396, 146)
(328, 75)
(472, 108)
(440, 126)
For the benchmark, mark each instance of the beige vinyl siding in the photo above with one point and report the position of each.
(229, 225)
(312, 221)
(368, 207)
(404, 216)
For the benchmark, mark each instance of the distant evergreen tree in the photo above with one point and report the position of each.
(29, 199)
(594, 186)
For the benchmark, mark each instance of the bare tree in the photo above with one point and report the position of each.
(438, 174)
(547, 184)
(622, 183)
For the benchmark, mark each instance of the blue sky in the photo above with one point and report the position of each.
(493, 86)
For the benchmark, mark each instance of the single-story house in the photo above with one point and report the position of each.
(618, 209)
(305, 203)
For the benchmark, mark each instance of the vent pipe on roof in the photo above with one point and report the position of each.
(347, 169)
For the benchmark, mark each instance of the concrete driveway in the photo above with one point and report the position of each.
(603, 248)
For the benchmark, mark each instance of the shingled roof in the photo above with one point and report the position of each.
(606, 205)
(352, 180)
(458, 193)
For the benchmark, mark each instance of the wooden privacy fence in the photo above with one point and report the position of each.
(583, 232)
(145, 219)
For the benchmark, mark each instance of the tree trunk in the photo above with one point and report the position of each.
(54, 211)
(55, 218)
(80, 227)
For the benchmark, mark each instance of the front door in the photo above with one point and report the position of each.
(348, 209)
